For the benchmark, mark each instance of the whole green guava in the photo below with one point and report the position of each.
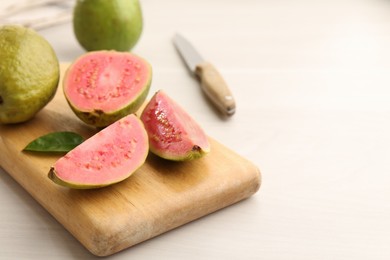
(107, 24)
(29, 73)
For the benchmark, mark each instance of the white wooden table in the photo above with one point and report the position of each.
(312, 85)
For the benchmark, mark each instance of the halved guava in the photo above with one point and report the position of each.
(173, 133)
(104, 86)
(108, 157)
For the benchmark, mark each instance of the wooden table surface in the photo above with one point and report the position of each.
(312, 85)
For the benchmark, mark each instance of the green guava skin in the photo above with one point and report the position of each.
(101, 119)
(29, 74)
(107, 24)
(53, 176)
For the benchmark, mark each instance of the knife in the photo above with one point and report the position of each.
(211, 80)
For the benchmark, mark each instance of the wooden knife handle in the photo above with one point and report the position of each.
(216, 88)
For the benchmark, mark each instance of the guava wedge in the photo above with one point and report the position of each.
(104, 86)
(173, 133)
(108, 157)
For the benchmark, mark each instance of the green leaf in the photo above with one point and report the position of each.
(55, 142)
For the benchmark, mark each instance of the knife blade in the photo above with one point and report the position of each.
(211, 80)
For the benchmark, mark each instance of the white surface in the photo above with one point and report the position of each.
(311, 81)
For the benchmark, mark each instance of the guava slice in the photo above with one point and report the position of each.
(104, 86)
(173, 133)
(108, 157)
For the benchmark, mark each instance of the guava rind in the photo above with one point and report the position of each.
(93, 115)
(29, 73)
(107, 25)
(173, 134)
(106, 158)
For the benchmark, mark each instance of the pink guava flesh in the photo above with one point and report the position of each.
(101, 83)
(108, 157)
(173, 133)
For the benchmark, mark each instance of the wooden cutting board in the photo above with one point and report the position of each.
(160, 196)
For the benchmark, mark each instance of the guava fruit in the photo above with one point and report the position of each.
(104, 86)
(29, 73)
(173, 133)
(108, 157)
(107, 24)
